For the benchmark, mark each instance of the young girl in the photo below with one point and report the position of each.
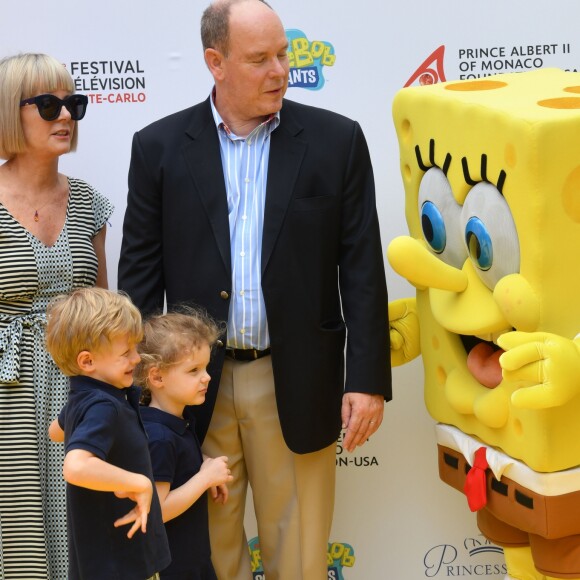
(175, 353)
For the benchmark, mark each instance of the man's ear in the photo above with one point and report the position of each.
(85, 361)
(214, 61)
(155, 378)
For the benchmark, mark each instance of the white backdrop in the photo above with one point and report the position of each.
(139, 60)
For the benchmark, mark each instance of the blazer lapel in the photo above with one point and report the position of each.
(203, 159)
(286, 154)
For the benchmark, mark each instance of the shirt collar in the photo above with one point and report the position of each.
(270, 123)
(176, 424)
(84, 383)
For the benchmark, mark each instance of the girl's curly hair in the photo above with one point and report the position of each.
(169, 338)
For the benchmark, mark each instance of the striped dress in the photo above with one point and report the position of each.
(32, 389)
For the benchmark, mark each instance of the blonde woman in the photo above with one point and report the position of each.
(52, 240)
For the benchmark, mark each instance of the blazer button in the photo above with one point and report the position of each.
(219, 343)
(225, 295)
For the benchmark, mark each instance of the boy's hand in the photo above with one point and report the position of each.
(138, 515)
(219, 493)
(216, 472)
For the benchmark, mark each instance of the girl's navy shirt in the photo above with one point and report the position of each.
(105, 421)
(176, 457)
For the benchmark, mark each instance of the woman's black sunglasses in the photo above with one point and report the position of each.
(49, 106)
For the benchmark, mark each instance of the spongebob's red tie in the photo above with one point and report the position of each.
(475, 482)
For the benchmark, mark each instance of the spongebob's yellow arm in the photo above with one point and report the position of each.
(543, 367)
(404, 331)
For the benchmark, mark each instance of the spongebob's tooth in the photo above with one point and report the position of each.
(492, 336)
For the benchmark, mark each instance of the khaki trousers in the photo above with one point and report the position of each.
(293, 494)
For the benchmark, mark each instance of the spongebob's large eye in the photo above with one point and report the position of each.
(490, 234)
(439, 213)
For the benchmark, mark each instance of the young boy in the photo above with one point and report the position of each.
(175, 352)
(92, 335)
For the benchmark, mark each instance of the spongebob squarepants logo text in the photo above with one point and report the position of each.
(307, 59)
(338, 557)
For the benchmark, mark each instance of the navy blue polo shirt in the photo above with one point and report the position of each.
(176, 457)
(105, 421)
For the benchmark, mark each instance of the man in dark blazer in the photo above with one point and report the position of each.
(320, 278)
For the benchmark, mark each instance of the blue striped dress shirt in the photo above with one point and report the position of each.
(245, 166)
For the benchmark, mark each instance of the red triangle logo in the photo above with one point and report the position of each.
(431, 70)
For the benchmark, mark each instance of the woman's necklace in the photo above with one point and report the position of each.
(20, 207)
(37, 210)
(36, 214)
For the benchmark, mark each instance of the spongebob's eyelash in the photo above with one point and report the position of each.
(500, 181)
(424, 167)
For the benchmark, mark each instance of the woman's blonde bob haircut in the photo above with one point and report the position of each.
(21, 77)
(88, 319)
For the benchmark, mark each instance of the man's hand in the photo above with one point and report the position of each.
(362, 415)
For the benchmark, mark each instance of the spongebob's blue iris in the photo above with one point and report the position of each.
(479, 244)
(433, 226)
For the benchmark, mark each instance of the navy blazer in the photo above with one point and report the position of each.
(322, 262)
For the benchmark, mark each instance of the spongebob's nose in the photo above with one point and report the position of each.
(411, 259)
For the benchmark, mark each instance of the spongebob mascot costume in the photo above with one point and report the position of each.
(491, 169)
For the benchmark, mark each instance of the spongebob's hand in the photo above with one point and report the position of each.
(404, 331)
(544, 367)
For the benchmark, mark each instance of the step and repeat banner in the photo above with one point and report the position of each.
(139, 60)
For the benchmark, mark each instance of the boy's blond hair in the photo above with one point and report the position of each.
(169, 338)
(23, 76)
(88, 319)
